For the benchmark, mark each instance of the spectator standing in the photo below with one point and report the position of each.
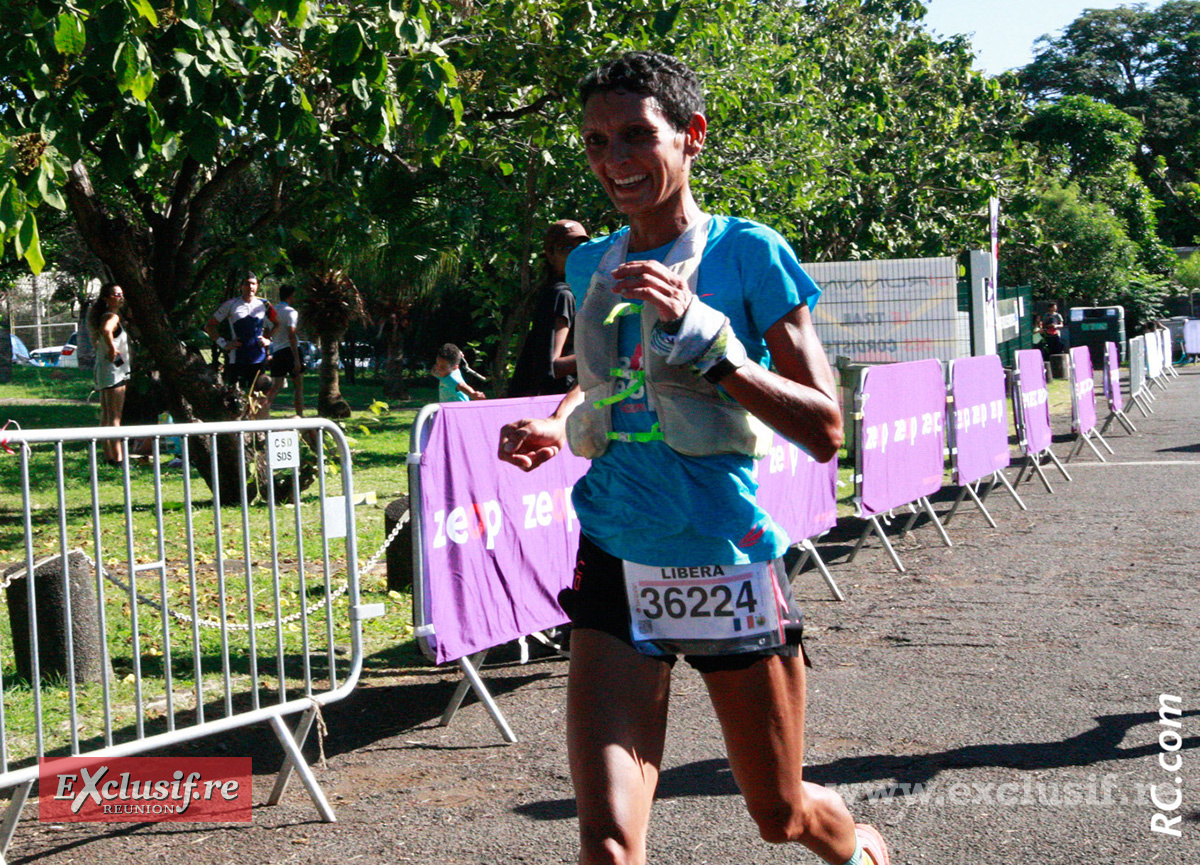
(547, 361)
(285, 359)
(451, 385)
(1052, 324)
(247, 315)
(111, 370)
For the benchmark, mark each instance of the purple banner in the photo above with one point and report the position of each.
(499, 543)
(980, 431)
(798, 492)
(1034, 398)
(1112, 378)
(902, 434)
(1083, 390)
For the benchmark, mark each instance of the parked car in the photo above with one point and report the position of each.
(45, 356)
(70, 352)
(65, 355)
(20, 354)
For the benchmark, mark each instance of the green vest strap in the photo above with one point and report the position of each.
(623, 308)
(639, 380)
(654, 435)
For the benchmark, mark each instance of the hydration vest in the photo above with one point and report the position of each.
(694, 417)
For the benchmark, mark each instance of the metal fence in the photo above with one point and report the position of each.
(189, 606)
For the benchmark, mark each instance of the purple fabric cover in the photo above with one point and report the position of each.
(499, 543)
(1112, 377)
(1083, 379)
(798, 492)
(902, 434)
(1035, 400)
(980, 431)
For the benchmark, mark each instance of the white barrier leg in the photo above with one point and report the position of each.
(1059, 465)
(925, 503)
(911, 521)
(810, 551)
(551, 643)
(1076, 446)
(1036, 462)
(962, 494)
(1012, 490)
(1087, 440)
(979, 504)
(874, 525)
(460, 692)
(12, 814)
(475, 681)
(1096, 433)
(303, 728)
(306, 774)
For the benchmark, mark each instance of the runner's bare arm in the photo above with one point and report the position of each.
(529, 442)
(800, 400)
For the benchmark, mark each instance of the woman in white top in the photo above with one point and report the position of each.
(112, 361)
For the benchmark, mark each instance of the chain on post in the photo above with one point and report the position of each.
(213, 623)
(237, 626)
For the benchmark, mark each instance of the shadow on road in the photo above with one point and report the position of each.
(1101, 744)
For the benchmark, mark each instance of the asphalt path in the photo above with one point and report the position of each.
(998, 702)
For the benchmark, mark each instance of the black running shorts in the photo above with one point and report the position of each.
(597, 600)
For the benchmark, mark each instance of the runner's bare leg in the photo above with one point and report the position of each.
(761, 710)
(616, 723)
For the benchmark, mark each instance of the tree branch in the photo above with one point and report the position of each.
(532, 108)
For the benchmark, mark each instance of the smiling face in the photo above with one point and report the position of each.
(642, 161)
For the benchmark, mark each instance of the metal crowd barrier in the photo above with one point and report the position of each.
(249, 614)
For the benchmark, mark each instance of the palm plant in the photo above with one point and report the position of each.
(331, 304)
(412, 253)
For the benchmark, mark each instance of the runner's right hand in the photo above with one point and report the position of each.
(530, 442)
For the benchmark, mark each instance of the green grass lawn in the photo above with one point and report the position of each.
(378, 438)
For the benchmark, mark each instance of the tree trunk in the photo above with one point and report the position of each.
(523, 310)
(329, 396)
(128, 253)
(6, 356)
(85, 350)
(394, 384)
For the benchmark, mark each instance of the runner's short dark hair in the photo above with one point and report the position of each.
(286, 291)
(670, 81)
(450, 353)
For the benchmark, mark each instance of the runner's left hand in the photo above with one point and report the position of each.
(654, 283)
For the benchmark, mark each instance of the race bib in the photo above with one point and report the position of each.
(704, 609)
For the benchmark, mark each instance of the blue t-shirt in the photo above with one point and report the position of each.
(642, 501)
(448, 387)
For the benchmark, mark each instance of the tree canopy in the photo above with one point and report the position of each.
(1143, 62)
(420, 147)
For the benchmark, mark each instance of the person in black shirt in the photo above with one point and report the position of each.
(547, 362)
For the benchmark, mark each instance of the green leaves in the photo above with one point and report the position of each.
(28, 243)
(69, 36)
(132, 68)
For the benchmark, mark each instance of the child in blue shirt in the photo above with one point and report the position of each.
(451, 385)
